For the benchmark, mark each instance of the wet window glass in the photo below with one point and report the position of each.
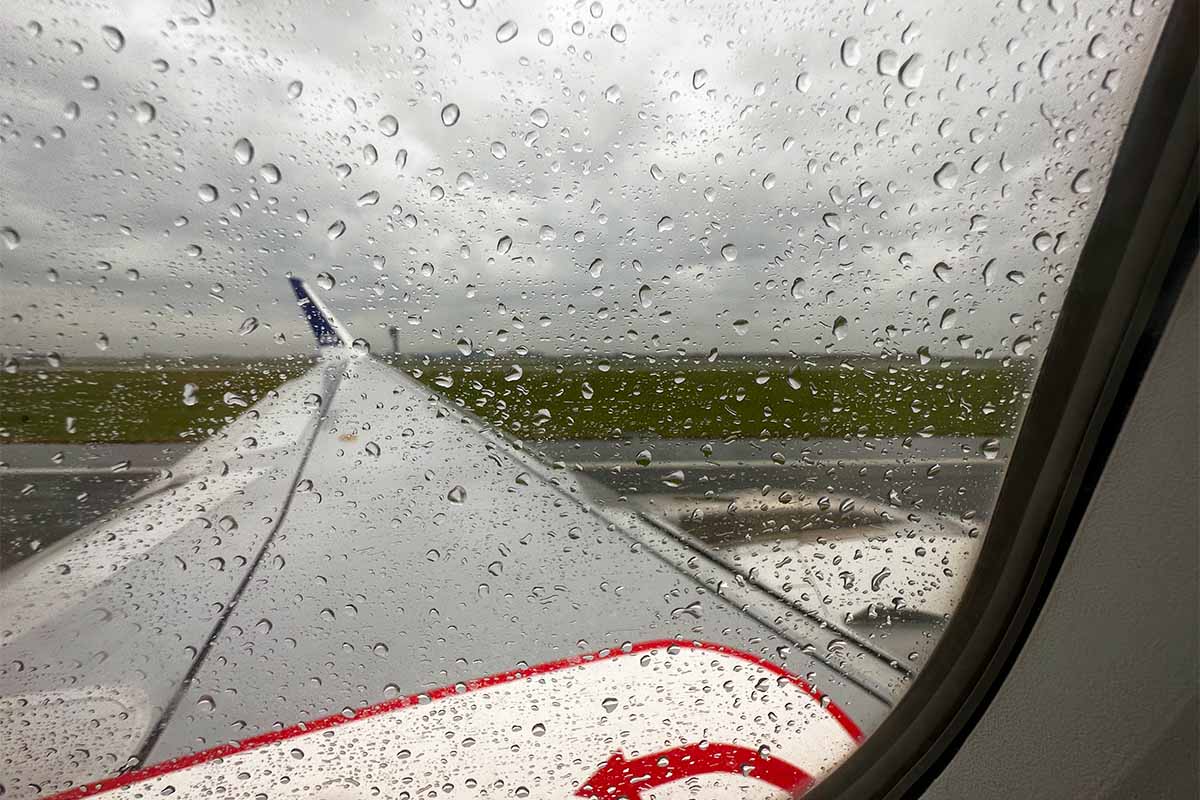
(515, 399)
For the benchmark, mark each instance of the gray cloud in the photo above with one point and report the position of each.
(852, 207)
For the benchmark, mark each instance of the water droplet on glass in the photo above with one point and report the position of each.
(699, 78)
(729, 252)
(325, 281)
(645, 297)
(768, 181)
(1043, 242)
(665, 224)
(1022, 345)
(450, 114)
(888, 63)
(547, 234)
(389, 125)
(207, 8)
(515, 373)
(539, 117)
(190, 392)
(609, 704)
(1082, 183)
(11, 238)
(143, 112)
(613, 94)
(506, 32)
(367, 199)
(545, 37)
(243, 151)
(335, 230)
(797, 288)
(457, 494)
(504, 244)
(949, 319)
(207, 193)
(270, 173)
(946, 176)
(851, 52)
(840, 328)
(803, 82)
(499, 151)
(912, 72)
(1098, 46)
(295, 89)
(113, 38)
(249, 325)
(618, 33)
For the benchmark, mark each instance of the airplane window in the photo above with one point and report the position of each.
(503, 399)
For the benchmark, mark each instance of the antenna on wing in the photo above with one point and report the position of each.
(325, 327)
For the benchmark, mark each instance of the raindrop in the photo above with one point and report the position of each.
(729, 252)
(768, 181)
(295, 89)
(941, 271)
(389, 125)
(547, 234)
(1082, 183)
(113, 38)
(11, 238)
(506, 32)
(545, 37)
(325, 281)
(699, 78)
(1043, 242)
(617, 32)
(990, 448)
(613, 94)
(1098, 46)
(946, 176)
(270, 173)
(912, 72)
(207, 8)
(798, 288)
(840, 328)
(190, 392)
(207, 193)
(645, 297)
(949, 319)
(457, 494)
(499, 151)
(803, 82)
(335, 230)
(144, 113)
(515, 373)
(243, 151)
(367, 199)
(1022, 345)
(851, 52)
(249, 326)
(643, 458)
(888, 63)
(539, 117)
(609, 704)
(401, 158)
(665, 224)
(504, 244)
(450, 114)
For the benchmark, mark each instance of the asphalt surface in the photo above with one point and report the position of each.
(48, 492)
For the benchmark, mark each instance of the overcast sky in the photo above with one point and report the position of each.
(843, 149)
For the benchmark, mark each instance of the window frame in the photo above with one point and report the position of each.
(1074, 410)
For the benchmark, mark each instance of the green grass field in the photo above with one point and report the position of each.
(550, 400)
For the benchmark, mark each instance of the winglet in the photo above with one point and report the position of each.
(329, 331)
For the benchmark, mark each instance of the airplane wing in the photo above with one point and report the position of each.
(354, 538)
